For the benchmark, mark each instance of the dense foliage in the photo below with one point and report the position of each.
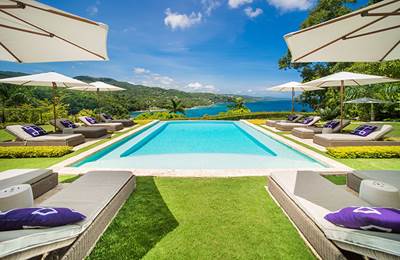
(161, 115)
(34, 151)
(328, 100)
(365, 152)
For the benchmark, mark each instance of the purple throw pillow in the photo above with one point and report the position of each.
(364, 130)
(367, 218)
(68, 124)
(108, 117)
(332, 124)
(91, 120)
(34, 130)
(291, 117)
(307, 120)
(38, 217)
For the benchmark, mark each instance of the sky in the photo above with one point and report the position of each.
(221, 46)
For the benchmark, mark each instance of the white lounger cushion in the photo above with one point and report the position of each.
(88, 195)
(83, 119)
(317, 197)
(315, 119)
(19, 176)
(18, 132)
(374, 136)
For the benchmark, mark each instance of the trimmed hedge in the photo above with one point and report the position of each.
(353, 152)
(34, 151)
(257, 115)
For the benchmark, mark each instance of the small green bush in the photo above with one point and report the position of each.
(353, 152)
(256, 115)
(160, 115)
(34, 151)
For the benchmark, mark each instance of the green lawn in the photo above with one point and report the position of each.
(189, 218)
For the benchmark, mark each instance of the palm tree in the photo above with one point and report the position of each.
(176, 106)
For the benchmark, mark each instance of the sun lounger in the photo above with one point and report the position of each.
(87, 132)
(41, 180)
(272, 123)
(354, 178)
(307, 197)
(109, 126)
(44, 140)
(289, 126)
(309, 132)
(98, 195)
(107, 119)
(373, 139)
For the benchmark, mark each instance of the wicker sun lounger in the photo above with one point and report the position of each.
(87, 132)
(373, 139)
(98, 195)
(307, 197)
(24, 138)
(289, 126)
(309, 132)
(41, 180)
(109, 126)
(272, 123)
(354, 178)
(124, 122)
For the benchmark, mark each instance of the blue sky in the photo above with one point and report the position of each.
(223, 46)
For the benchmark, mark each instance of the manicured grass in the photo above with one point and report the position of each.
(336, 179)
(68, 178)
(188, 218)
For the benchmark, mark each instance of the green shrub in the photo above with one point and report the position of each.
(160, 115)
(353, 152)
(256, 115)
(34, 151)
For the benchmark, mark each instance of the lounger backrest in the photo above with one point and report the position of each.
(58, 123)
(102, 118)
(83, 119)
(298, 117)
(315, 120)
(339, 127)
(380, 132)
(18, 132)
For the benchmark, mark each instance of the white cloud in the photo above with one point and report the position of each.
(210, 5)
(253, 13)
(140, 71)
(199, 87)
(237, 3)
(92, 10)
(290, 5)
(181, 21)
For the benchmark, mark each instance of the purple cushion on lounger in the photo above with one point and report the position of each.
(91, 120)
(332, 124)
(108, 117)
(364, 130)
(68, 124)
(367, 218)
(291, 117)
(34, 130)
(37, 218)
(307, 120)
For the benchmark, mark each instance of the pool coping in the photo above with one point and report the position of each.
(64, 168)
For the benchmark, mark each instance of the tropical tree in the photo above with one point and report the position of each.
(237, 104)
(10, 96)
(176, 106)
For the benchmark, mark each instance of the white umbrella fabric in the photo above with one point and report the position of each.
(366, 100)
(369, 34)
(34, 32)
(342, 79)
(292, 87)
(49, 79)
(98, 87)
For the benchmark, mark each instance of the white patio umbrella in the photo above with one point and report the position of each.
(34, 32)
(49, 79)
(366, 100)
(342, 79)
(292, 87)
(98, 87)
(369, 34)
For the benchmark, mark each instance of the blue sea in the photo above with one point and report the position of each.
(257, 106)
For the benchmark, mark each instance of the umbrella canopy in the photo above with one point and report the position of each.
(342, 79)
(292, 87)
(369, 34)
(366, 100)
(98, 86)
(49, 79)
(34, 32)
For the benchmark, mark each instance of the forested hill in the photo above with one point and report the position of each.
(136, 97)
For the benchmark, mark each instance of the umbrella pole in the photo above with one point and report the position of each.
(54, 106)
(341, 102)
(98, 102)
(372, 112)
(292, 100)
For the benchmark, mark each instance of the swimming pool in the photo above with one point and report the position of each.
(200, 145)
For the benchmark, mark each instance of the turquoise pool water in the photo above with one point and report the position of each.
(200, 145)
